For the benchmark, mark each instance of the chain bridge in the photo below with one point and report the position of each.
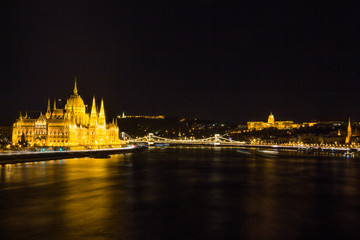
(218, 140)
(153, 140)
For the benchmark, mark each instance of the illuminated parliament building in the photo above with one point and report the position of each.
(70, 126)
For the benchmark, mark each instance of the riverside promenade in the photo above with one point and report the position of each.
(32, 156)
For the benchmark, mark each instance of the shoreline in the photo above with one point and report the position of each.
(22, 156)
(289, 152)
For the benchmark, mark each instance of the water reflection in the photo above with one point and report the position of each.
(206, 193)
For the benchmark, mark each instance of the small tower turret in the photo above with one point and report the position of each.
(93, 114)
(48, 110)
(102, 120)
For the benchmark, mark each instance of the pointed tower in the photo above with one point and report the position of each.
(48, 110)
(93, 122)
(93, 114)
(101, 127)
(75, 88)
(355, 133)
(54, 108)
(102, 120)
(348, 136)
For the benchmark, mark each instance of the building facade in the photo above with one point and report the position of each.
(69, 126)
(271, 123)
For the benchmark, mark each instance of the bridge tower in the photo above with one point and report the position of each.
(122, 135)
(150, 138)
(217, 139)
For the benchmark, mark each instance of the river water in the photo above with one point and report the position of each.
(181, 193)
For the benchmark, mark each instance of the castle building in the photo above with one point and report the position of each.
(276, 124)
(71, 126)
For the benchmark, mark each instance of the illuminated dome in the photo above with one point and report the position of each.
(75, 102)
(271, 119)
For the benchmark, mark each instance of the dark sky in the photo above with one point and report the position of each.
(220, 60)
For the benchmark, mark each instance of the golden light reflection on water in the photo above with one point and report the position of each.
(80, 192)
(192, 193)
(89, 204)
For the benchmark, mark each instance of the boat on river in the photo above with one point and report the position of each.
(267, 152)
(242, 151)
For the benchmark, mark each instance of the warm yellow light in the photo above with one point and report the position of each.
(71, 126)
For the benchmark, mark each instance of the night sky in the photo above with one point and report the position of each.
(218, 60)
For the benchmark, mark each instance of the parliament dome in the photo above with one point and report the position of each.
(75, 102)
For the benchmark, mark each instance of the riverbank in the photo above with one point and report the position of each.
(30, 156)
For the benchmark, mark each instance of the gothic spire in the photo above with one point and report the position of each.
(93, 113)
(102, 111)
(102, 120)
(48, 106)
(75, 88)
(348, 136)
(93, 107)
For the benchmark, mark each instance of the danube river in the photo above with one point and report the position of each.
(181, 193)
